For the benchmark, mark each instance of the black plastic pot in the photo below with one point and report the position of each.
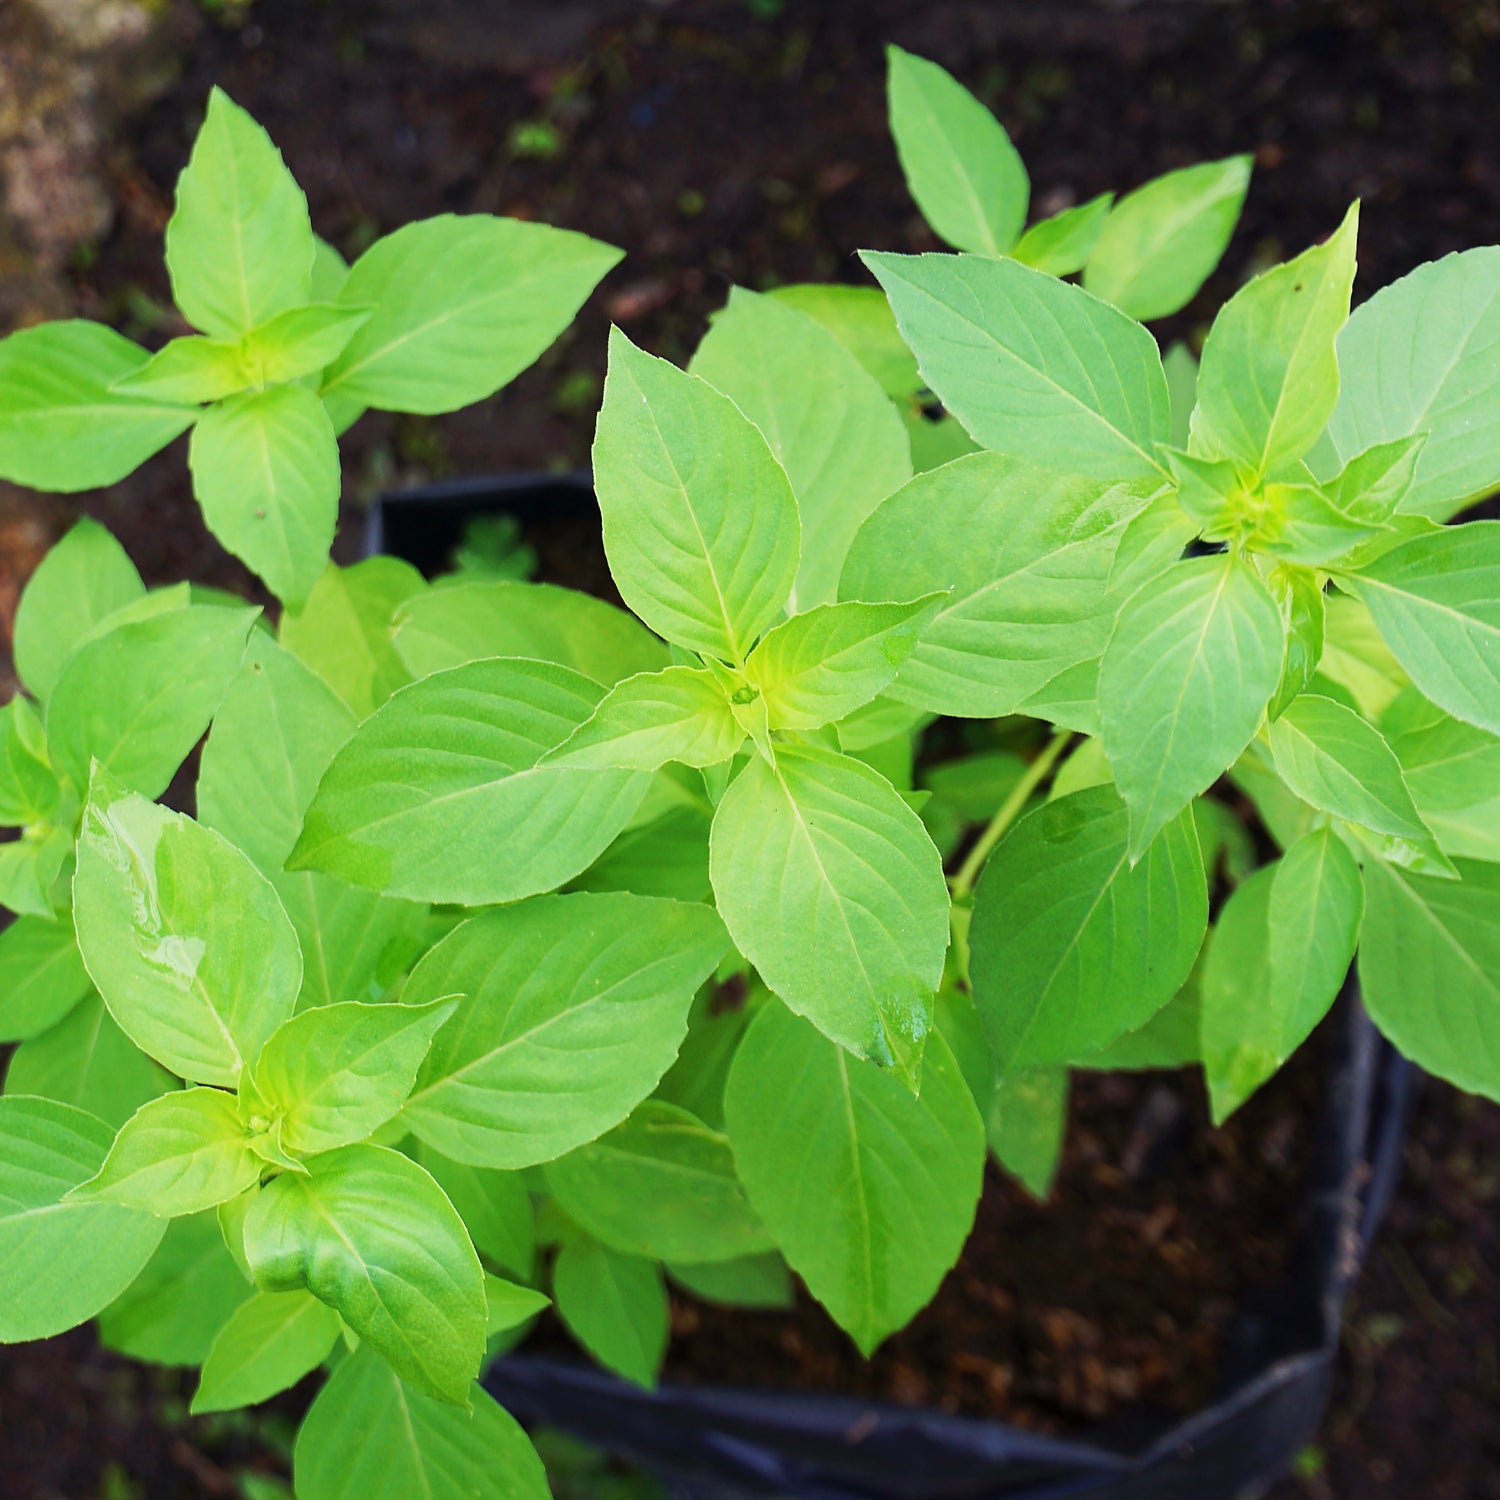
(727, 1444)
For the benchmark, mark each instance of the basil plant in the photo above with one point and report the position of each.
(524, 948)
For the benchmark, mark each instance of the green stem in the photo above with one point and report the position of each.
(968, 872)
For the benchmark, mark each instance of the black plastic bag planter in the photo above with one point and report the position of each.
(713, 1443)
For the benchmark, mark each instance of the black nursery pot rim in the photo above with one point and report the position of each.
(730, 1444)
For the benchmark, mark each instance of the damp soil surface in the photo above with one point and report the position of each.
(1111, 1298)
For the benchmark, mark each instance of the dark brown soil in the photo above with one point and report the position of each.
(1113, 1295)
(723, 141)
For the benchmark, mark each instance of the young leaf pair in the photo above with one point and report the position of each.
(292, 345)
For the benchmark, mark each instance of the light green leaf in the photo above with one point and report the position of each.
(495, 1208)
(441, 794)
(1372, 485)
(1027, 1125)
(860, 318)
(1181, 369)
(1026, 555)
(240, 245)
(1333, 759)
(1071, 945)
(1357, 660)
(187, 371)
(461, 305)
(343, 632)
(81, 582)
(138, 698)
(1162, 240)
(30, 867)
(1429, 969)
(61, 426)
(830, 886)
(182, 936)
(1061, 245)
(1436, 600)
(868, 1190)
(269, 1343)
(1304, 609)
(509, 1307)
(180, 1154)
(368, 1437)
(61, 1262)
(822, 665)
(1187, 674)
(1170, 1039)
(273, 736)
(759, 1283)
(660, 1184)
(666, 857)
(464, 622)
(266, 472)
(678, 714)
(330, 271)
(29, 790)
(300, 341)
(1452, 771)
(574, 1006)
(367, 1231)
(1275, 963)
(831, 427)
(170, 1313)
(1269, 379)
(615, 1306)
(700, 522)
(41, 975)
(1032, 366)
(87, 1059)
(1419, 356)
(334, 1075)
(966, 176)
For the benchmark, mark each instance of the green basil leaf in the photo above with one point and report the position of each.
(1071, 944)
(334, 1075)
(967, 177)
(343, 632)
(1159, 244)
(1181, 369)
(1429, 969)
(29, 791)
(1372, 485)
(1304, 611)
(138, 698)
(1026, 556)
(189, 370)
(1275, 963)
(460, 305)
(62, 427)
(368, 1437)
(1027, 1125)
(1334, 760)
(825, 663)
(300, 341)
(1030, 365)
(1170, 1039)
(1185, 681)
(182, 936)
(464, 622)
(1061, 245)
(1453, 772)
(495, 1207)
(61, 1260)
(700, 522)
(678, 714)
(180, 1154)
(831, 427)
(266, 472)
(42, 976)
(367, 1231)
(1356, 659)
(239, 245)
(509, 1307)
(830, 886)
(87, 1059)
(441, 795)
(30, 868)
(1419, 357)
(876, 1216)
(758, 1283)
(80, 583)
(860, 318)
(615, 1306)
(660, 1184)
(574, 1006)
(269, 1343)
(666, 857)
(1269, 379)
(1436, 601)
